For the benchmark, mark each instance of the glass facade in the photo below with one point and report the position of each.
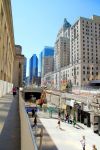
(33, 67)
(48, 51)
(40, 64)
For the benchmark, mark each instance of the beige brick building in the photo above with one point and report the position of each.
(85, 51)
(7, 49)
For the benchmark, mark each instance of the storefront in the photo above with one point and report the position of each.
(70, 107)
(83, 114)
(96, 123)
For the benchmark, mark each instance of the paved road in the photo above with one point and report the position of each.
(69, 137)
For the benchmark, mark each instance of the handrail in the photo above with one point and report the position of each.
(27, 137)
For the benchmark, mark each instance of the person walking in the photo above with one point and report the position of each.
(35, 121)
(66, 117)
(94, 147)
(58, 123)
(14, 91)
(83, 142)
(74, 122)
(59, 114)
(33, 112)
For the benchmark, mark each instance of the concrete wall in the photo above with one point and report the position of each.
(48, 97)
(27, 137)
(53, 99)
(5, 87)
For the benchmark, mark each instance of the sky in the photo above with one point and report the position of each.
(37, 22)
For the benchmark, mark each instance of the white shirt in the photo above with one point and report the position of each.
(83, 142)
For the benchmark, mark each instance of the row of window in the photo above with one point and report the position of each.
(89, 30)
(92, 54)
(90, 50)
(88, 72)
(88, 22)
(84, 67)
(90, 61)
(64, 76)
(85, 79)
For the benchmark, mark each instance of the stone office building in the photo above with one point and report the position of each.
(85, 50)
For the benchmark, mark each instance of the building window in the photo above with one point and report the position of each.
(88, 72)
(77, 73)
(96, 68)
(96, 73)
(19, 65)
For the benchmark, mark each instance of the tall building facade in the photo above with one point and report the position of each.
(18, 67)
(40, 65)
(24, 69)
(33, 70)
(47, 60)
(85, 50)
(7, 49)
(62, 46)
(61, 54)
(82, 55)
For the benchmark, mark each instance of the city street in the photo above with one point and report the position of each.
(68, 137)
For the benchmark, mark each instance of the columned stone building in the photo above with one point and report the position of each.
(7, 49)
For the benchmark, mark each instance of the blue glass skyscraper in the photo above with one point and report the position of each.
(33, 69)
(40, 64)
(48, 51)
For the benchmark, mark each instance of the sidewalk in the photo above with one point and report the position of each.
(68, 137)
(5, 104)
(9, 123)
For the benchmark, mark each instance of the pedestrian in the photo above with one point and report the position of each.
(58, 123)
(66, 117)
(35, 121)
(83, 142)
(69, 119)
(74, 122)
(59, 114)
(94, 147)
(14, 91)
(33, 112)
